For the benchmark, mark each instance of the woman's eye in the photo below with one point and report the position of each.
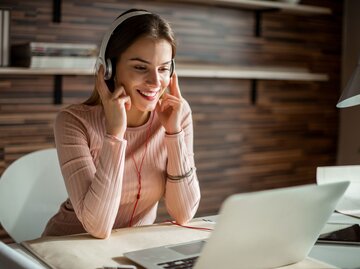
(164, 69)
(141, 68)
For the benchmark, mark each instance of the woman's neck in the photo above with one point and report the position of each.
(137, 118)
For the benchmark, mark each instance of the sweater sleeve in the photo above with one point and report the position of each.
(94, 188)
(182, 196)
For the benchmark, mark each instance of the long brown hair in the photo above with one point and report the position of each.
(149, 25)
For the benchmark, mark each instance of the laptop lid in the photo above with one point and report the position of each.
(270, 228)
(262, 229)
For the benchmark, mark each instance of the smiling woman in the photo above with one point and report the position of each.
(131, 143)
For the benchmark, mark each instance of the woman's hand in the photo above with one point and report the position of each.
(115, 105)
(170, 106)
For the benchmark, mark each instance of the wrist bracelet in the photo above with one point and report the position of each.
(182, 176)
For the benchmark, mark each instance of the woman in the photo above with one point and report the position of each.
(131, 143)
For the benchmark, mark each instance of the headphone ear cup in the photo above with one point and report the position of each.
(108, 69)
(172, 67)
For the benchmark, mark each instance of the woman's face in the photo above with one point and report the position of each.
(144, 71)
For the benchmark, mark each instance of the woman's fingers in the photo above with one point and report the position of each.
(120, 94)
(101, 85)
(127, 101)
(170, 101)
(105, 94)
(174, 86)
(168, 96)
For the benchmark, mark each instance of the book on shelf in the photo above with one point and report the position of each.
(53, 49)
(58, 62)
(4, 37)
(53, 55)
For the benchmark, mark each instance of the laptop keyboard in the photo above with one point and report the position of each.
(179, 264)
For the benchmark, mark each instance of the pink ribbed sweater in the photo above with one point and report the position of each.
(101, 177)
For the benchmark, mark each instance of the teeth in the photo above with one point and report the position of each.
(150, 94)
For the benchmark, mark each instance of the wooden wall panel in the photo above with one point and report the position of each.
(239, 146)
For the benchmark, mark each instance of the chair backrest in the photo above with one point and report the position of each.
(350, 202)
(31, 191)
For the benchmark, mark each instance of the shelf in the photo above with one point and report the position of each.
(263, 5)
(196, 71)
(189, 71)
(266, 73)
(45, 71)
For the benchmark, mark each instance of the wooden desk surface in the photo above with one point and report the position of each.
(85, 252)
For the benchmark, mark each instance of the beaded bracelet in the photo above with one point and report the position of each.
(182, 176)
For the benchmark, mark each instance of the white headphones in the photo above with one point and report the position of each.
(101, 59)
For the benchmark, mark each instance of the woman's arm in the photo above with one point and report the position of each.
(182, 196)
(94, 188)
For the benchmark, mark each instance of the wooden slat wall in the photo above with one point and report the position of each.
(239, 146)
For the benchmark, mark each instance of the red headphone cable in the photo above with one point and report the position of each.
(138, 169)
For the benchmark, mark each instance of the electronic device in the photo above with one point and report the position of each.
(264, 229)
(106, 63)
(348, 235)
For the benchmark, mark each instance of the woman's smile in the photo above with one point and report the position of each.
(148, 95)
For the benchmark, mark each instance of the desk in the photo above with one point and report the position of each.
(84, 251)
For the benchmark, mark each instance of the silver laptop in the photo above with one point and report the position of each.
(12, 259)
(262, 229)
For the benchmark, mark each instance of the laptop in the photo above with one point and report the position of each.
(263, 229)
(12, 259)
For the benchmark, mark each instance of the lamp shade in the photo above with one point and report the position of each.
(351, 94)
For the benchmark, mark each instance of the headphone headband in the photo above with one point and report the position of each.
(101, 59)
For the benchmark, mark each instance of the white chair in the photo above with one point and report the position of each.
(350, 202)
(31, 191)
(14, 259)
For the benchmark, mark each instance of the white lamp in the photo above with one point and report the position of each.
(351, 94)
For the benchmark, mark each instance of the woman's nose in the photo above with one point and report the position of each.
(153, 78)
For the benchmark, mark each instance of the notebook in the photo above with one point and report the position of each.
(264, 229)
(12, 259)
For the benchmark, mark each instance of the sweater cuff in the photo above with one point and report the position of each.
(113, 137)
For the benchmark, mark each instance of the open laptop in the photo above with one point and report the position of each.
(12, 259)
(264, 229)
